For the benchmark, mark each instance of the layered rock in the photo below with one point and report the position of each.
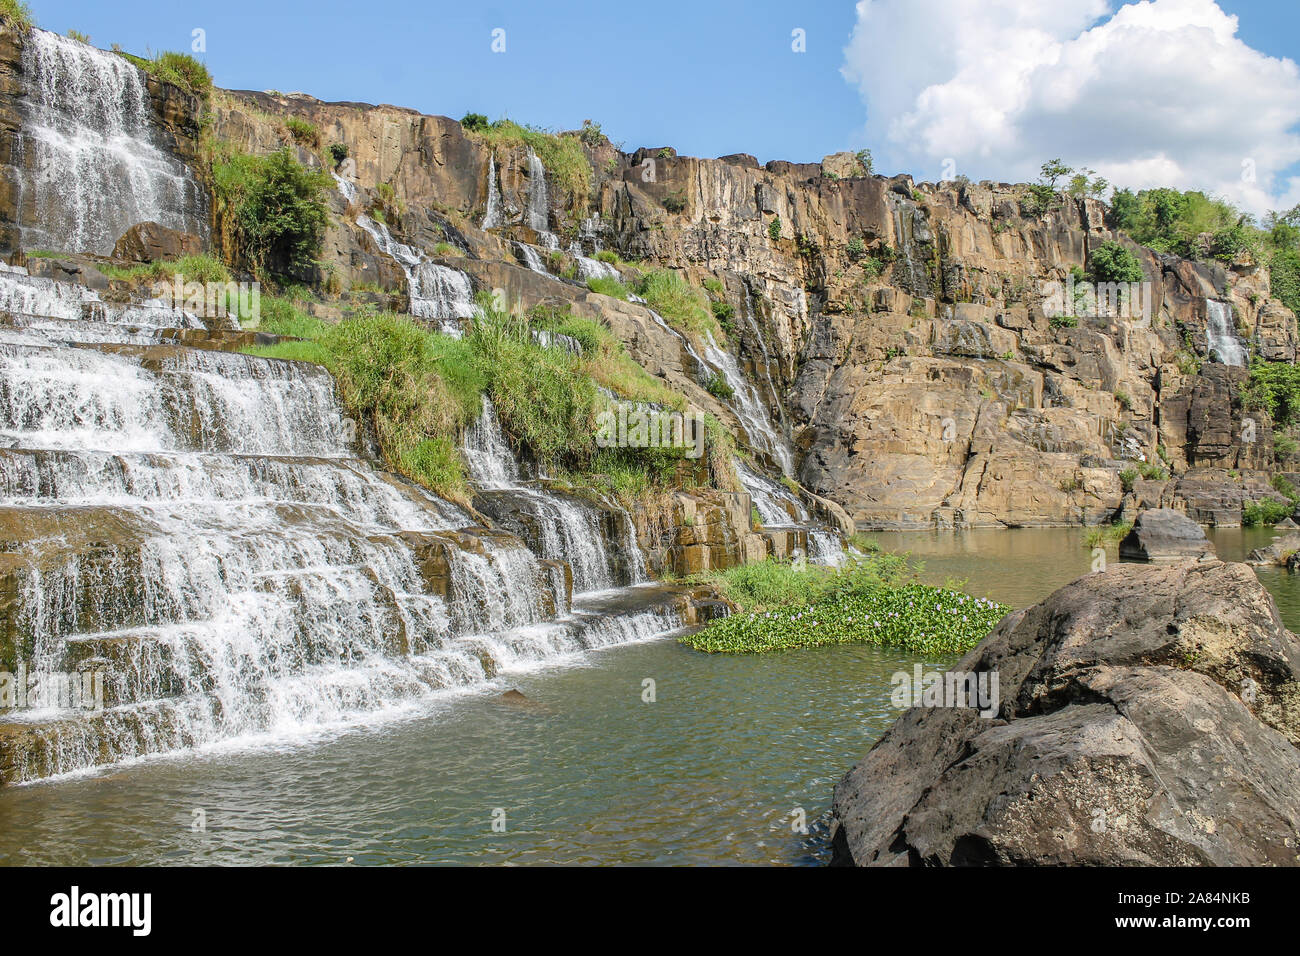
(1147, 716)
(1163, 534)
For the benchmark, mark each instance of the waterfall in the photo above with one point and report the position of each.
(532, 258)
(748, 406)
(195, 525)
(1221, 340)
(436, 291)
(779, 509)
(556, 526)
(492, 218)
(91, 164)
(539, 211)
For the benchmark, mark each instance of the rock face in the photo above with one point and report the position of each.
(1148, 715)
(1163, 534)
(1279, 553)
(151, 242)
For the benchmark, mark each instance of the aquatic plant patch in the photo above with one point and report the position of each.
(917, 617)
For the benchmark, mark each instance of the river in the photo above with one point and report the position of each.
(720, 768)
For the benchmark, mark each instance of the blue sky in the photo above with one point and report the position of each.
(714, 77)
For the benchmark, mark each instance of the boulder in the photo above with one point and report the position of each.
(1147, 715)
(1163, 534)
(151, 242)
(1278, 553)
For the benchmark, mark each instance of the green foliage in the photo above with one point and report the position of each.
(856, 248)
(1127, 478)
(562, 154)
(303, 132)
(79, 36)
(607, 285)
(338, 152)
(17, 14)
(1167, 220)
(201, 268)
(865, 161)
(1267, 512)
(866, 602)
(1125, 402)
(1284, 278)
(1109, 535)
(675, 202)
(1274, 387)
(475, 123)
(1084, 182)
(1111, 262)
(591, 134)
(1063, 321)
(605, 255)
(718, 387)
(276, 208)
(683, 307)
(774, 228)
(179, 69)
(1150, 471)
(1283, 486)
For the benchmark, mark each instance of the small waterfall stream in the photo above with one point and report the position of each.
(1221, 340)
(557, 526)
(492, 215)
(91, 160)
(436, 291)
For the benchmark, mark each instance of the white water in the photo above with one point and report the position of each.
(539, 214)
(436, 291)
(1220, 339)
(492, 216)
(92, 164)
(778, 508)
(565, 528)
(532, 258)
(196, 524)
(747, 405)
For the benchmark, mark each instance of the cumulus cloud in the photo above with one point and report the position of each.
(1156, 93)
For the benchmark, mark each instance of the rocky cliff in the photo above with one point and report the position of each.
(896, 332)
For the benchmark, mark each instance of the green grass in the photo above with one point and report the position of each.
(563, 156)
(17, 13)
(871, 600)
(1109, 535)
(683, 306)
(608, 286)
(200, 268)
(178, 69)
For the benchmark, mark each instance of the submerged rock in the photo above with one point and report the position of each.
(1162, 534)
(1278, 553)
(1148, 715)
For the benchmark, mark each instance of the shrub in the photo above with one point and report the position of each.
(275, 207)
(474, 122)
(1106, 535)
(1284, 278)
(774, 228)
(605, 255)
(338, 152)
(562, 154)
(675, 202)
(1127, 478)
(303, 132)
(856, 248)
(1267, 512)
(1112, 262)
(1150, 471)
(719, 388)
(79, 36)
(1063, 321)
(1125, 402)
(181, 69)
(1274, 387)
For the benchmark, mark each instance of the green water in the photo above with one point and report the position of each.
(711, 772)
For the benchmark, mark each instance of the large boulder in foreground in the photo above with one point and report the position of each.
(152, 242)
(1148, 714)
(1162, 534)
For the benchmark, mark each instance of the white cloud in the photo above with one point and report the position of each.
(1161, 93)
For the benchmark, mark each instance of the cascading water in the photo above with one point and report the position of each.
(195, 525)
(90, 164)
(780, 509)
(1221, 340)
(492, 217)
(556, 526)
(436, 291)
(747, 405)
(539, 207)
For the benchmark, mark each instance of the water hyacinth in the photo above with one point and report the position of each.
(917, 617)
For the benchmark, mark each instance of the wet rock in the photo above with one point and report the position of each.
(1147, 716)
(1162, 534)
(1279, 553)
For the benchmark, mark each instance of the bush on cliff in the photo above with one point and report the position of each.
(562, 154)
(683, 306)
(274, 208)
(1111, 262)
